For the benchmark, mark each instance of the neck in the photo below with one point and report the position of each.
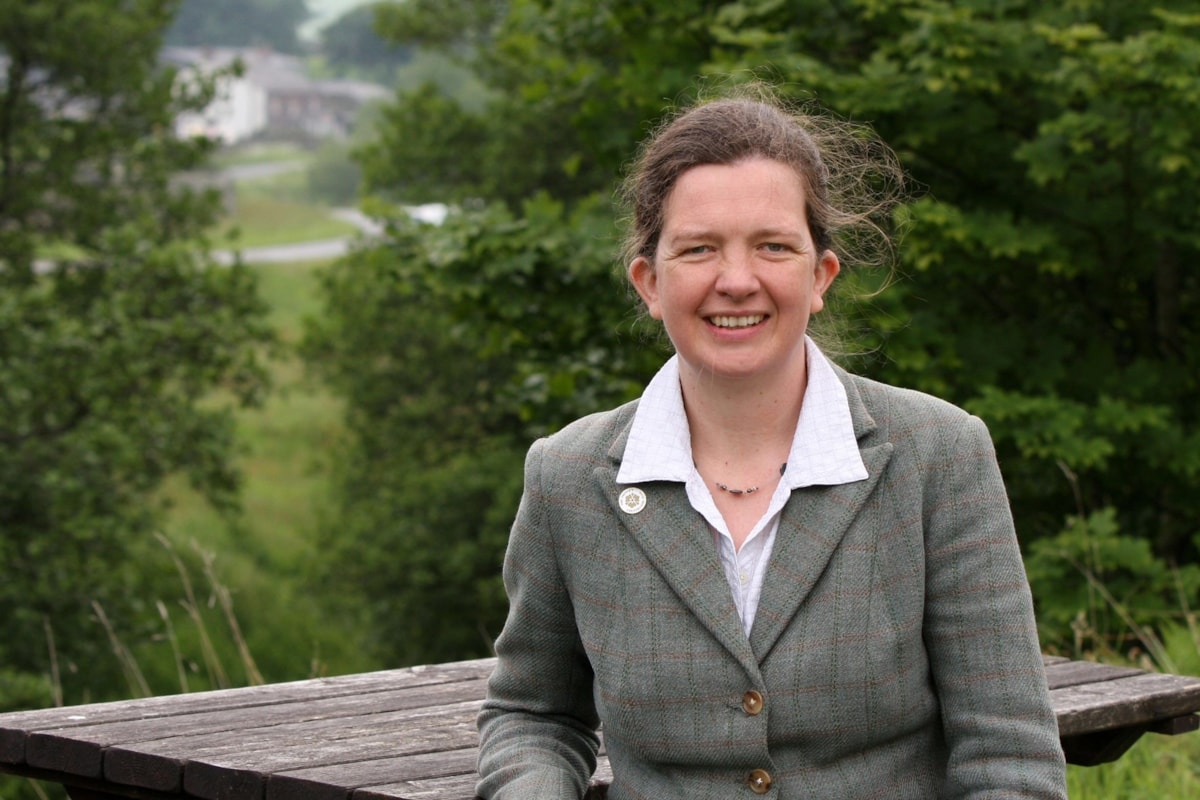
(742, 422)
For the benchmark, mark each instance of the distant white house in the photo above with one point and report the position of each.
(272, 96)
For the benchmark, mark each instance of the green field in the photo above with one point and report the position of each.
(1156, 768)
(277, 210)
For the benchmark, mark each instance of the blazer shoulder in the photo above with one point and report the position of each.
(591, 436)
(899, 411)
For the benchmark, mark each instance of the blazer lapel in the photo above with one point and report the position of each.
(679, 545)
(813, 523)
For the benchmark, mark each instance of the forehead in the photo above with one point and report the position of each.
(758, 191)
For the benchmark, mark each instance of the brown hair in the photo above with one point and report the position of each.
(851, 180)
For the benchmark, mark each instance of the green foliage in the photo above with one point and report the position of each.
(14, 788)
(444, 73)
(105, 354)
(573, 85)
(20, 690)
(453, 346)
(1109, 588)
(1044, 278)
(417, 155)
(238, 23)
(351, 45)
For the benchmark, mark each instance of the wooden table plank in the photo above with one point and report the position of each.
(1075, 673)
(167, 740)
(1123, 702)
(460, 786)
(159, 763)
(420, 767)
(19, 726)
(443, 730)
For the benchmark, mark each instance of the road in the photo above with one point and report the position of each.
(320, 250)
(266, 169)
(326, 249)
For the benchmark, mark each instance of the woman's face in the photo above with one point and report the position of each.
(736, 274)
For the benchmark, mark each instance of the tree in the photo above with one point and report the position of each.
(239, 23)
(1042, 283)
(573, 84)
(115, 326)
(351, 45)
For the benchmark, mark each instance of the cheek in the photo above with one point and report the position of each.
(678, 292)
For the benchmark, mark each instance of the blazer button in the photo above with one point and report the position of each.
(760, 781)
(752, 703)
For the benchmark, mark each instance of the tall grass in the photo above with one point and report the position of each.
(133, 657)
(1156, 768)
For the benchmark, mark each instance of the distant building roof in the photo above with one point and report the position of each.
(272, 71)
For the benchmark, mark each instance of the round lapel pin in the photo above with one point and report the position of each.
(632, 501)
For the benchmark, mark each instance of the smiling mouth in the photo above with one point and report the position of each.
(737, 322)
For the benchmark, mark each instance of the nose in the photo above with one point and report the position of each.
(737, 276)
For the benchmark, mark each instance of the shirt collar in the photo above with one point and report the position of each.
(824, 449)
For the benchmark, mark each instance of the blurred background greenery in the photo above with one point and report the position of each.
(218, 475)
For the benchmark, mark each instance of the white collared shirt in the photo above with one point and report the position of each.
(824, 453)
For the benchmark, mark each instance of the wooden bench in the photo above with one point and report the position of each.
(410, 734)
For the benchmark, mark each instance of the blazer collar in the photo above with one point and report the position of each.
(864, 423)
(679, 543)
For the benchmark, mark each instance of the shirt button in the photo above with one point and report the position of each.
(760, 781)
(752, 703)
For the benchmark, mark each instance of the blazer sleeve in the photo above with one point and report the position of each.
(538, 724)
(980, 631)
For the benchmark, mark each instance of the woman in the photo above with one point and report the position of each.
(767, 576)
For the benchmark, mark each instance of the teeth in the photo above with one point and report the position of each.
(737, 322)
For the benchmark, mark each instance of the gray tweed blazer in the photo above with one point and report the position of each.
(894, 654)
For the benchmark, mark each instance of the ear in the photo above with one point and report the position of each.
(645, 280)
(827, 269)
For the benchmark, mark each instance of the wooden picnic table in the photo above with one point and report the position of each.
(409, 734)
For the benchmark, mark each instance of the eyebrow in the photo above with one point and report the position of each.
(760, 233)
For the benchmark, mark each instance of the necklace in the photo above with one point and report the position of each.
(752, 489)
